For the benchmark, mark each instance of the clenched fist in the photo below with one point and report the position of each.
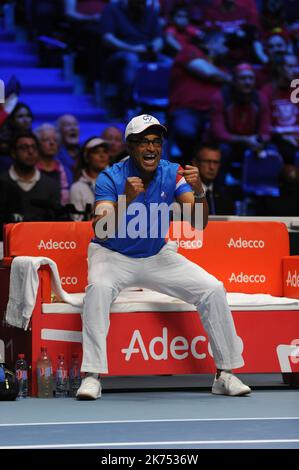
(191, 175)
(134, 186)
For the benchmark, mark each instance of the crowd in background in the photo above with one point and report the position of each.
(232, 65)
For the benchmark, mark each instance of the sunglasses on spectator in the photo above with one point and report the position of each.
(144, 142)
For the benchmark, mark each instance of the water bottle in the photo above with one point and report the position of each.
(75, 376)
(21, 369)
(61, 378)
(44, 375)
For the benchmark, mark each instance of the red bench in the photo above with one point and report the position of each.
(152, 334)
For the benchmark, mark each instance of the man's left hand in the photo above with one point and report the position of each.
(191, 175)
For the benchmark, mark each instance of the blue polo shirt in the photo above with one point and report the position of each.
(144, 226)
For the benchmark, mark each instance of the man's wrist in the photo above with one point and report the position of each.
(199, 194)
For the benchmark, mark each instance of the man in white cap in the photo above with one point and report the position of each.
(118, 259)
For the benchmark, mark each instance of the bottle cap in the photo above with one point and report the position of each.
(21, 356)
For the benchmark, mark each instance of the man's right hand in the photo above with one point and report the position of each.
(134, 186)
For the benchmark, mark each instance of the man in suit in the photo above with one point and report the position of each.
(207, 158)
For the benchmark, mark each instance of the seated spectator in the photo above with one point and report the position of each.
(95, 159)
(276, 45)
(207, 158)
(84, 19)
(26, 193)
(284, 111)
(240, 118)
(239, 21)
(131, 32)
(19, 120)
(117, 147)
(194, 81)
(69, 137)
(180, 31)
(48, 163)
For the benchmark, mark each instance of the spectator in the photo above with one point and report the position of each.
(131, 33)
(239, 21)
(95, 159)
(117, 148)
(207, 158)
(48, 163)
(194, 80)
(284, 111)
(276, 45)
(84, 19)
(180, 32)
(240, 118)
(29, 194)
(69, 136)
(20, 119)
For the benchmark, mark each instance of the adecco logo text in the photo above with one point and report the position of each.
(247, 278)
(190, 244)
(240, 243)
(292, 279)
(69, 280)
(178, 348)
(53, 245)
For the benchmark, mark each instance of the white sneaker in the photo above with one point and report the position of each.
(90, 389)
(229, 384)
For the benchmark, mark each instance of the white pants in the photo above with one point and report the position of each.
(167, 272)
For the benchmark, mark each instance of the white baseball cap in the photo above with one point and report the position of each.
(140, 123)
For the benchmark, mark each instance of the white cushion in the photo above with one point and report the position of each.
(151, 301)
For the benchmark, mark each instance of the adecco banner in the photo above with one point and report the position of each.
(245, 256)
(64, 242)
(291, 276)
(176, 343)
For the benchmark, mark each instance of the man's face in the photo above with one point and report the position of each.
(181, 19)
(208, 162)
(69, 128)
(245, 81)
(113, 136)
(26, 152)
(276, 45)
(98, 158)
(146, 151)
(48, 143)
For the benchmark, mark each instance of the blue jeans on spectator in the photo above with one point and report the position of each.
(187, 127)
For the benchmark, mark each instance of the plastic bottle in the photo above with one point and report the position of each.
(44, 375)
(21, 369)
(75, 376)
(61, 378)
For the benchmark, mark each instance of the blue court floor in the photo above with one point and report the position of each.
(172, 419)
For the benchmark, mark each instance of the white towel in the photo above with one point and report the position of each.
(23, 287)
